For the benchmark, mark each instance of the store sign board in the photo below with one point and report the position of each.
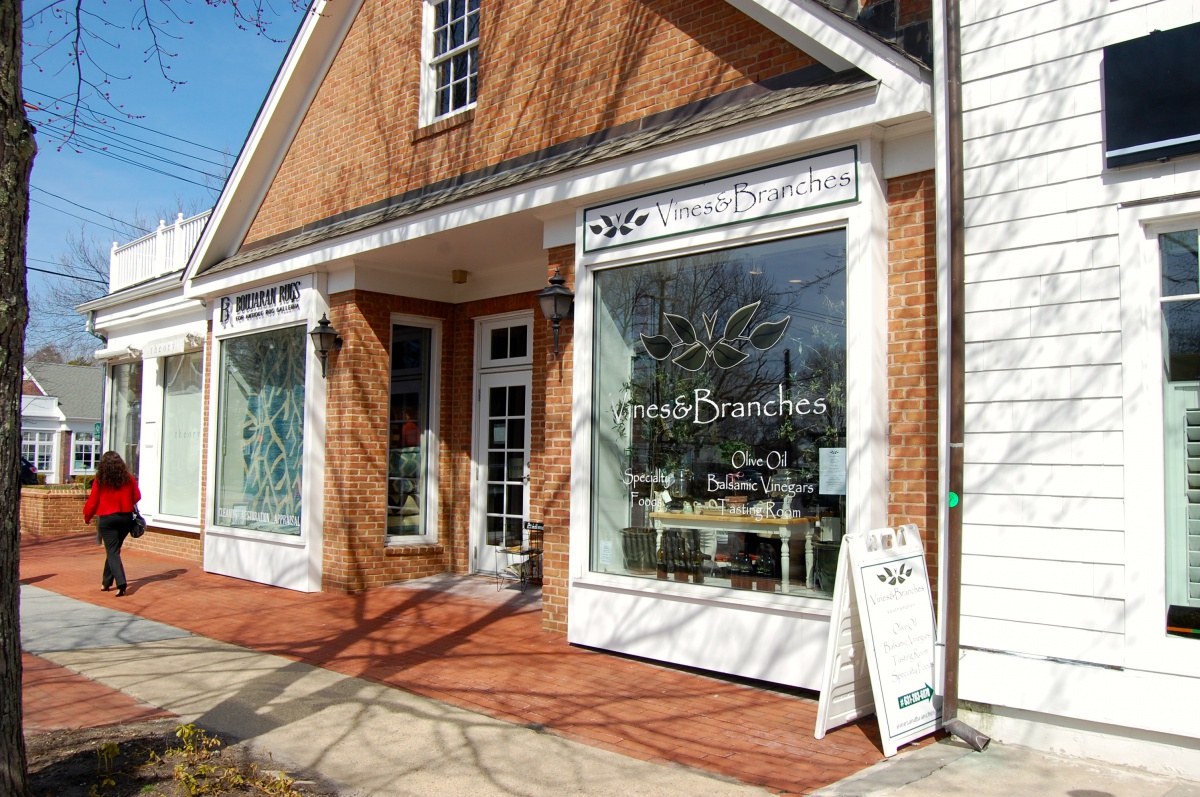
(263, 305)
(898, 636)
(817, 181)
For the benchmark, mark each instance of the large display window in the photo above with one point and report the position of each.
(261, 431)
(183, 384)
(409, 432)
(720, 428)
(125, 413)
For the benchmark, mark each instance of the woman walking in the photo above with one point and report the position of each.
(114, 495)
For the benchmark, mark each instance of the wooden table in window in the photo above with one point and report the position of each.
(782, 528)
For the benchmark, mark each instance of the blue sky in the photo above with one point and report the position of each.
(226, 73)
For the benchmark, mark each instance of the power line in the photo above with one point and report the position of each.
(88, 108)
(90, 210)
(64, 276)
(75, 216)
(110, 150)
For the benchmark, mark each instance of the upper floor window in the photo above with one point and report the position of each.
(452, 64)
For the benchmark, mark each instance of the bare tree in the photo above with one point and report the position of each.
(83, 34)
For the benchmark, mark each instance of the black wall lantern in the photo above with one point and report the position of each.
(556, 300)
(325, 339)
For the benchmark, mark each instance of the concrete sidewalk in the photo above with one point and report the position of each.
(448, 687)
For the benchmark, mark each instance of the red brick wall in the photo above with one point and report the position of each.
(912, 359)
(550, 478)
(53, 513)
(549, 72)
(356, 555)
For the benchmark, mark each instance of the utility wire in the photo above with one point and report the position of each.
(91, 210)
(88, 108)
(111, 150)
(64, 276)
(75, 216)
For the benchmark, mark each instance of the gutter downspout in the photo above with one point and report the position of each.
(953, 453)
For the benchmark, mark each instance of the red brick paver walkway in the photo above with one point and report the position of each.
(486, 656)
(54, 698)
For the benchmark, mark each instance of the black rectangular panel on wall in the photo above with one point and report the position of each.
(1152, 97)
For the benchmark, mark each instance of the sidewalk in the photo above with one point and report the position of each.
(448, 686)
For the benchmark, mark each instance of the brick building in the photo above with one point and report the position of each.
(739, 197)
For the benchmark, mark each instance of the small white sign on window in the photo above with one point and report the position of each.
(606, 549)
(833, 471)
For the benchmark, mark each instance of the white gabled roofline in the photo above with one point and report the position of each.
(832, 39)
(317, 43)
(808, 25)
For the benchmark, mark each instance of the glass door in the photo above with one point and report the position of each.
(501, 466)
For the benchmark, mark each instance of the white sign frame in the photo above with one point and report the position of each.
(832, 177)
(898, 638)
(281, 303)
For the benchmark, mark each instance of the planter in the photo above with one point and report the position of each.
(53, 512)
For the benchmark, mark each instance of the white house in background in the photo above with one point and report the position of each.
(60, 408)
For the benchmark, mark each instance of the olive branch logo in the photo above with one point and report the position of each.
(899, 577)
(725, 351)
(616, 224)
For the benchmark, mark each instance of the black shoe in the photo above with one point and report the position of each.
(105, 587)
(120, 592)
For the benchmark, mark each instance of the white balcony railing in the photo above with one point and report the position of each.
(163, 251)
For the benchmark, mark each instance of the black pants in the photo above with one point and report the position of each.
(113, 530)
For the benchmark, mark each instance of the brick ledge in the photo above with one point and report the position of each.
(418, 549)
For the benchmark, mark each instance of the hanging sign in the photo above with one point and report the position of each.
(895, 633)
(817, 181)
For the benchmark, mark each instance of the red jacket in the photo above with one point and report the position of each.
(106, 501)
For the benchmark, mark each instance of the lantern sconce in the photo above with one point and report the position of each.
(557, 303)
(325, 339)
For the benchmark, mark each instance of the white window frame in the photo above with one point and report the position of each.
(187, 522)
(32, 448)
(432, 482)
(76, 444)
(484, 335)
(1147, 644)
(430, 63)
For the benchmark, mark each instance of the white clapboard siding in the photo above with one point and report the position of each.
(1094, 349)
(1072, 644)
(1044, 448)
(1064, 512)
(1067, 611)
(1086, 481)
(1059, 258)
(1083, 545)
(1032, 111)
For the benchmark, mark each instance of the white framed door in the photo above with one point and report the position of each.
(500, 504)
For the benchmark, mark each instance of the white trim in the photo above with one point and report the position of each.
(1147, 645)
(313, 50)
(832, 39)
(780, 137)
(433, 452)
(865, 223)
(486, 324)
(428, 99)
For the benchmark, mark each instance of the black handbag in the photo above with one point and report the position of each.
(139, 524)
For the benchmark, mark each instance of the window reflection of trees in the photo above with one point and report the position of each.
(804, 282)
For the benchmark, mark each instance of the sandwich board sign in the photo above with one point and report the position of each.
(881, 639)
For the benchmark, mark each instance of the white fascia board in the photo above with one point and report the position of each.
(133, 294)
(832, 39)
(745, 146)
(151, 308)
(317, 43)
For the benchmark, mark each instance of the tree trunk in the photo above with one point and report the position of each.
(17, 149)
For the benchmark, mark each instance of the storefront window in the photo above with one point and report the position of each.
(261, 431)
(720, 426)
(408, 437)
(85, 452)
(125, 412)
(183, 381)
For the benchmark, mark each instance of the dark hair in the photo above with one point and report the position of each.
(112, 471)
